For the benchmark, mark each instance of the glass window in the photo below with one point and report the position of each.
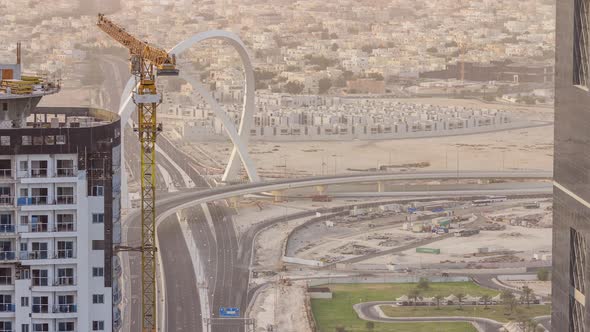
(27, 140)
(97, 325)
(41, 327)
(40, 278)
(65, 276)
(97, 298)
(24, 301)
(5, 219)
(65, 168)
(38, 140)
(65, 195)
(5, 140)
(5, 276)
(5, 326)
(98, 218)
(97, 272)
(60, 139)
(39, 250)
(97, 191)
(40, 305)
(65, 249)
(65, 222)
(65, 326)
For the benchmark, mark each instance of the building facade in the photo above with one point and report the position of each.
(571, 216)
(59, 221)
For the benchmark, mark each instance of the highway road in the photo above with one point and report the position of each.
(170, 204)
(117, 69)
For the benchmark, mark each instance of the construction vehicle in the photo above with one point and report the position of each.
(146, 63)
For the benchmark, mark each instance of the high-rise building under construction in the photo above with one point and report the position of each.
(59, 210)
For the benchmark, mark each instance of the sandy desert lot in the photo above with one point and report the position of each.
(530, 148)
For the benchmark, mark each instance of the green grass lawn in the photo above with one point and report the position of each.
(338, 311)
(497, 312)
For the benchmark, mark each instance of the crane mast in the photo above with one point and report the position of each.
(147, 62)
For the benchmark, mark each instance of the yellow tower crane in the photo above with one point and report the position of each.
(147, 62)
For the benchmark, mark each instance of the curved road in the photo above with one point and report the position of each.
(367, 311)
(180, 279)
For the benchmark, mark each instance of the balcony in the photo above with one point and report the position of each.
(6, 173)
(6, 200)
(65, 172)
(39, 227)
(7, 255)
(65, 227)
(7, 228)
(5, 280)
(7, 307)
(65, 254)
(38, 172)
(65, 199)
(39, 282)
(65, 281)
(65, 308)
(34, 200)
(44, 200)
(40, 308)
(32, 255)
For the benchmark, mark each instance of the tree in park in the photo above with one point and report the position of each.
(486, 299)
(543, 275)
(414, 295)
(460, 298)
(370, 326)
(424, 283)
(438, 298)
(509, 300)
(528, 295)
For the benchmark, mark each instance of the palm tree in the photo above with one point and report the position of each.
(414, 294)
(486, 299)
(527, 295)
(509, 301)
(460, 298)
(438, 298)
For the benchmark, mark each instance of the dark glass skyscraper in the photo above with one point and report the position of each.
(571, 215)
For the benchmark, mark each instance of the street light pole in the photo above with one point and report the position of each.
(457, 164)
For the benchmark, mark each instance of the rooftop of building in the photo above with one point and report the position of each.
(69, 117)
(15, 84)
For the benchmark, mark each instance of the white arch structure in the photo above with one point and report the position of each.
(239, 137)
